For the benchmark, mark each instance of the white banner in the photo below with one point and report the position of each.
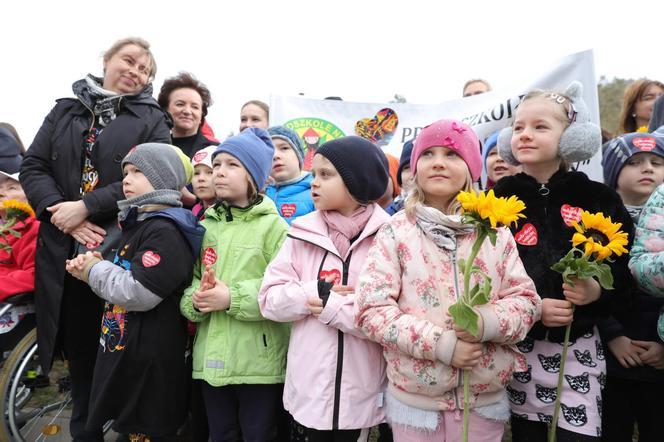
(389, 125)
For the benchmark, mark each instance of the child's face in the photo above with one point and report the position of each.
(496, 167)
(135, 183)
(406, 178)
(328, 190)
(285, 165)
(203, 183)
(11, 190)
(639, 177)
(536, 133)
(441, 174)
(231, 180)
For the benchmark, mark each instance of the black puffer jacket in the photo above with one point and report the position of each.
(51, 173)
(553, 241)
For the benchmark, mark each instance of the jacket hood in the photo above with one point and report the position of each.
(312, 228)
(144, 96)
(188, 225)
(302, 184)
(222, 211)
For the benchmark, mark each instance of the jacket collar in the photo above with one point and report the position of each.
(313, 229)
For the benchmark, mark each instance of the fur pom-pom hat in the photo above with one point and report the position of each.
(578, 142)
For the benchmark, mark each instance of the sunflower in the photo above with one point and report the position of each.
(599, 236)
(499, 211)
(17, 209)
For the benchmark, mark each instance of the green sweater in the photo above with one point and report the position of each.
(238, 345)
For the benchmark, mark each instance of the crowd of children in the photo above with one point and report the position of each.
(320, 315)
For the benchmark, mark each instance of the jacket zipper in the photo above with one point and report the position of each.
(544, 192)
(340, 356)
(92, 122)
(457, 403)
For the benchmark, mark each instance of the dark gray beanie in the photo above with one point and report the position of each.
(160, 164)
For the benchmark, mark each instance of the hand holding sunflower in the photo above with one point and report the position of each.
(14, 212)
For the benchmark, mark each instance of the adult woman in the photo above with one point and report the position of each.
(187, 100)
(638, 103)
(254, 113)
(88, 135)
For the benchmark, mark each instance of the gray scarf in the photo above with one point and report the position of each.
(166, 197)
(440, 228)
(103, 103)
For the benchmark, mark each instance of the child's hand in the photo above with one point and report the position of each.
(343, 290)
(625, 351)
(653, 354)
(583, 291)
(466, 354)
(556, 312)
(208, 280)
(77, 265)
(315, 305)
(215, 299)
(466, 335)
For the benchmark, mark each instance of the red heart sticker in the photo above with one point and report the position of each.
(200, 156)
(334, 272)
(527, 236)
(570, 214)
(150, 259)
(288, 210)
(209, 256)
(646, 144)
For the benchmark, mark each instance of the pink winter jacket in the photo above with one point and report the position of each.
(405, 290)
(335, 377)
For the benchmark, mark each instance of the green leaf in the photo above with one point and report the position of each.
(14, 233)
(485, 292)
(465, 317)
(492, 236)
(462, 263)
(604, 276)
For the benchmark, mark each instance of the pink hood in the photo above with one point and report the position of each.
(335, 378)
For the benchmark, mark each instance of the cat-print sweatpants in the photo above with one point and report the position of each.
(532, 394)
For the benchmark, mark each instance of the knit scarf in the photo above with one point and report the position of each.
(344, 228)
(103, 103)
(440, 228)
(165, 197)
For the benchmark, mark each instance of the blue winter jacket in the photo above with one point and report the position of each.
(293, 199)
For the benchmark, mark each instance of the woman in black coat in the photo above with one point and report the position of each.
(73, 179)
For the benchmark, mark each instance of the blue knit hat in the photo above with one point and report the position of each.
(489, 144)
(254, 149)
(291, 137)
(404, 161)
(621, 149)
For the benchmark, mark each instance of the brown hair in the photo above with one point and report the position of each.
(417, 196)
(633, 93)
(475, 80)
(141, 43)
(184, 80)
(260, 104)
(12, 129)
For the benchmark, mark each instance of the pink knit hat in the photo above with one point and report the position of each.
(454, 135)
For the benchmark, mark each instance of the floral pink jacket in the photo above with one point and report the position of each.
(404, 292)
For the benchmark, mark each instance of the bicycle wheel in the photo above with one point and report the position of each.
(33, 405)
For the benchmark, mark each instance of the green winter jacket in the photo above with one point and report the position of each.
(238, 345)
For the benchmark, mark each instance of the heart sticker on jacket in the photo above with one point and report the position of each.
(288, 210)
(209, 256)
(570, 214)
(334, 272)
(380, 128)
(150, 259)
(527, 236)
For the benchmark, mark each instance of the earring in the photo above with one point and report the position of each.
(634, 115)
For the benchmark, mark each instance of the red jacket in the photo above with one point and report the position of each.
(17, 270)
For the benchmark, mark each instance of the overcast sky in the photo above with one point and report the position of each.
(361, 51)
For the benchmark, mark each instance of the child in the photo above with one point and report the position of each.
(240, 355)
(550, 131)
(634, 167)
(291, 187)
(334, 376)
(411, 278)
(404, 178)
(202, 182)
(494, 166)
(140, 380)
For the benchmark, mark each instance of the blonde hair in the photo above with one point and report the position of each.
(137, 41)
(417, 196)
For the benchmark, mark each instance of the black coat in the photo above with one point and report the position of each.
(51, 173)
(554, 241)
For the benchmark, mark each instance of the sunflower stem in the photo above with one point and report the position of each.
(559, 387)
(481, 235)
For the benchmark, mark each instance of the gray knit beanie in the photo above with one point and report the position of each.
(160, 164)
